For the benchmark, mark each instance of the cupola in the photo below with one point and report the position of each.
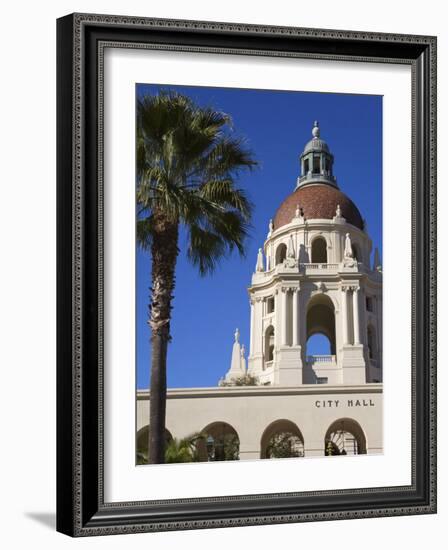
(316, 161)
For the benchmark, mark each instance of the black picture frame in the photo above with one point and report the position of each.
(81, 510)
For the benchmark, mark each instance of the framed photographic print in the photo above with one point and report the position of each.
(246, 274)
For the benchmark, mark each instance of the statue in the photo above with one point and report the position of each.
(271, 227)
(243, 359)
(338, 217)
(299, 213)
(349, 259)
(348, 252)
(259, 267)
(291, 251)
(290, 260)
(237, 335)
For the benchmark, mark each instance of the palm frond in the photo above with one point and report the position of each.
(187, 166)
(144, 232)
(227, 156)
(205, 249)
(223, 192)
(183, 450)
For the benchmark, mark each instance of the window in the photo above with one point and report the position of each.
(280, 254)
(306, 166)
(269, 344)
(316, 165)
(319, 251)
(270, 305)
(369, 303)
(321, 380)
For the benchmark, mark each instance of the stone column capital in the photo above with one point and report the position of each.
(291, 289)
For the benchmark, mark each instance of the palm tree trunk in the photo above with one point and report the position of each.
(164, 251)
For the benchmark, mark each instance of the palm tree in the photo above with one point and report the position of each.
(187, 164)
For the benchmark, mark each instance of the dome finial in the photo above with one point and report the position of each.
(316, 131)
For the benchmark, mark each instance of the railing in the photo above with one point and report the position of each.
(317, 177)
(310, 269)
(319, 267)
(321, 359)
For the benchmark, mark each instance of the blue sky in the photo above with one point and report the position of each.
(276, 125)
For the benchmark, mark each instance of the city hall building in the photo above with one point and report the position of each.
(313, 275)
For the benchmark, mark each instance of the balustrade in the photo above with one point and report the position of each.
(313, 359)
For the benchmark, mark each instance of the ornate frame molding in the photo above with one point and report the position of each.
(81, 42)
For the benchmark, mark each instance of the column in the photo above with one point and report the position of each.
(284, 316)
(337, 248)
(258, 325)
(356, 316)
(252, 328)
(277, 318)
(295, 317)
(344, 315)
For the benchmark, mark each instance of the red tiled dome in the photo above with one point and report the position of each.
(317, 201)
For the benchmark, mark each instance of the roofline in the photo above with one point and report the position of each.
(254, 391)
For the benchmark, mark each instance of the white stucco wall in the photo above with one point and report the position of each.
(250, 410)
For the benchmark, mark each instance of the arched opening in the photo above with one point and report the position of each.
(220, 442)
(280, 254)
(269, 338)
(319, 251)
(357, 255)
(345, 437)
(318, 344)
(320, 320)
(371, 341)
(320, 349)
(282, 439)
(142, 444)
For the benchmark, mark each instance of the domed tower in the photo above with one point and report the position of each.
(313, 276)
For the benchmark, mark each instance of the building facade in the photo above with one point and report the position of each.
(313, 275)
